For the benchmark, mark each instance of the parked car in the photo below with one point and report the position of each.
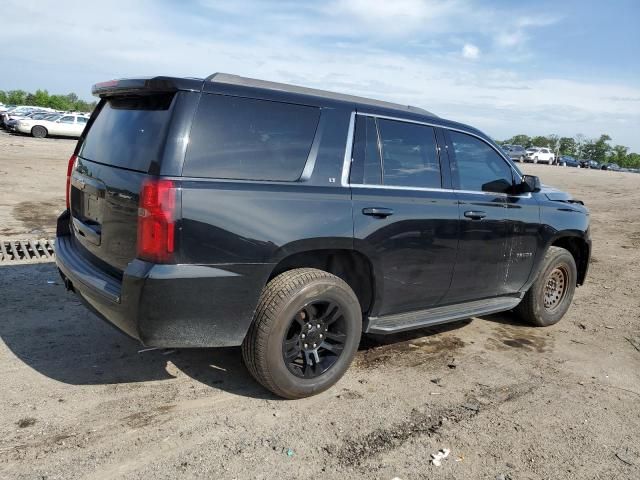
(540, 155)
(60, 125)
(295, 219)
(590, 164)
(20, 111)
(610, 166)
(568, 161)
(12, 122)
(517, 153)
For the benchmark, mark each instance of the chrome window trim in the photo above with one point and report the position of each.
(349, 152)
(313, 151)
(446, 190)
(399, 119)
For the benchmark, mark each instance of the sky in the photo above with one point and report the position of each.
(535, 67)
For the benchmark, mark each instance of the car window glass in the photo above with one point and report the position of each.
(82, 120)
(366, 155)
(250, 139)
(478, 166)
(409, 156)
(138, 122)
(66, 119)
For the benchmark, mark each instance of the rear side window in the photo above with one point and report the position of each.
(250, 139)
(129, 131)
(409, 156)
(67, 120)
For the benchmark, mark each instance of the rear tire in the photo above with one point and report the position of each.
(39, 131)
(297, 311)
(551, 294)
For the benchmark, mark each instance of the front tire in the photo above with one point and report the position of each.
(304, 334)
(39, 131)
(551, 294)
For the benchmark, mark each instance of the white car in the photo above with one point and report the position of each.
(69, 125)
(540, 155)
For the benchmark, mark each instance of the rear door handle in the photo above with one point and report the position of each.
(377, 212)
(474, 214)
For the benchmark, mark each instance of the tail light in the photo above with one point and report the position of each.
(156, 221)
(70, 167)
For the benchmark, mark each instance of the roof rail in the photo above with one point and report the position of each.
(231, 79)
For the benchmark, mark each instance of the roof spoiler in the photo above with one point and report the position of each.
(137, 86)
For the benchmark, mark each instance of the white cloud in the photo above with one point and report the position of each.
(510, 39)
(470, 51)
(285, 44)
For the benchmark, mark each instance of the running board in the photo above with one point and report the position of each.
(434, 316)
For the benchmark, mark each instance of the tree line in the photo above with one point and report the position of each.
(581, 147)
(42, 98)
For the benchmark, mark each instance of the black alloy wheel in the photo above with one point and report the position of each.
(315, 339)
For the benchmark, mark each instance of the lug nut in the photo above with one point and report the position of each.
(303, 335)
(305, 345)
(320, 335)
(318, 326)
(314, 345)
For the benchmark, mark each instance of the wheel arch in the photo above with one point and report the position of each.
(352, 266)
(579, 248)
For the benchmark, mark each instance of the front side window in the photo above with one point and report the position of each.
(250, 139)
(478, 166)
(409, 155)
(82, 120)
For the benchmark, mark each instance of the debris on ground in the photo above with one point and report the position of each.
(502, 476)
(634, 341)
(289, 452)
(151, 349)
(26, 422)
(436, 458)
(471, 406)
(624, 459)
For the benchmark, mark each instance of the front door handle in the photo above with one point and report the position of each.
(475, 214)
(377, 212)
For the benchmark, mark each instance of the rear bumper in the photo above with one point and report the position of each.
(166, 305)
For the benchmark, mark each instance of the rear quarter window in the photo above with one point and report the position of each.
(250, 139)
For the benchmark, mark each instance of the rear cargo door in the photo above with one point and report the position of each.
(123, 144)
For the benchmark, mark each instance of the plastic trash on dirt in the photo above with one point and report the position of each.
(436, 458)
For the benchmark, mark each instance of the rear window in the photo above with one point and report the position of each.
(129, 131)
(249, 139)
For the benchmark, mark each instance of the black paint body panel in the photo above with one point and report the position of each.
(232, 234)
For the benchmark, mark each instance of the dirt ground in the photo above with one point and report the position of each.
(81, 400)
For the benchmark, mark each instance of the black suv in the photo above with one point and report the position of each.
(231, 211)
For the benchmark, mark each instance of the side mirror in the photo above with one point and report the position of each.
(529, 184)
